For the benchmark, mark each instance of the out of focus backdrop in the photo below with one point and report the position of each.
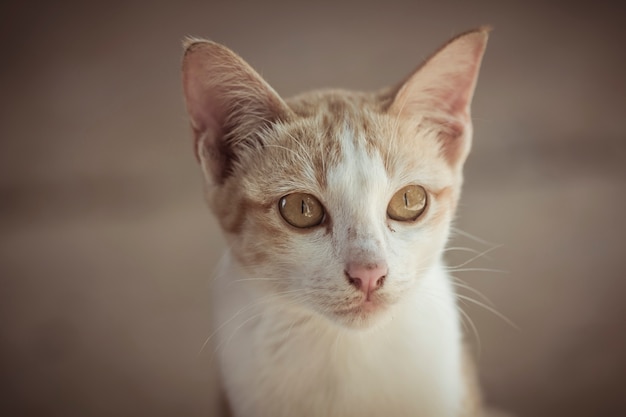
(107, 249)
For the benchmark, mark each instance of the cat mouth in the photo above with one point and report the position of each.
(363, 309)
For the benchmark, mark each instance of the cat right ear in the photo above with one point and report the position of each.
(441, 91)
(227, 102)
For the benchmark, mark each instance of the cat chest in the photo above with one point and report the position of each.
(340, 374)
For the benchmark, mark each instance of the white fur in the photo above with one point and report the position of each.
(278, 360)
(286, 352)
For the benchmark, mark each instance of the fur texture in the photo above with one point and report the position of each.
(294, 336)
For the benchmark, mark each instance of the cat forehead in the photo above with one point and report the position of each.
(336, 115)
(377, 161)
(353, 129)
(352, 147)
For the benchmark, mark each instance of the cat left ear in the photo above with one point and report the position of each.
(228, 102)
(441, 91)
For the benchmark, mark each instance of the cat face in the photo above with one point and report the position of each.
(338, 201)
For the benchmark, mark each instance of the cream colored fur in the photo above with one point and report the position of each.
(292, 336)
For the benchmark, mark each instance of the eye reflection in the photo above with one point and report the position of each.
(407, 204)
(301, 210)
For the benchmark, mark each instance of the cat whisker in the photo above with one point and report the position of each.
(478, 256)
(218, 265)
(254, 279)
(225, 344)
(270, 297)
(457, 248)
(490, 309)
(455, 269)
(234, 332)
(466, 318)
(462, 249)
(461, 284)
(458, 231)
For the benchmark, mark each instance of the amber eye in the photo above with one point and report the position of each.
(301, 210)
(407, 204)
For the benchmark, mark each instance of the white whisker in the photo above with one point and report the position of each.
(458, 231)
(468, 319)
(270, 297)
(254, 279)
(461, 284)
(224, 344)
(462, 249)
(478, 256)
(497, 271)
(490, 309)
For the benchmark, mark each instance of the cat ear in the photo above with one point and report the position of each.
(227, 102)
(441, 91)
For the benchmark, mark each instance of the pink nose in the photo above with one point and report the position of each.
(367, 278)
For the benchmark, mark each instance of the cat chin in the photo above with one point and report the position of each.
(365, 316)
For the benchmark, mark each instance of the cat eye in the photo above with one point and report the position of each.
(301, 210)
(407, 204)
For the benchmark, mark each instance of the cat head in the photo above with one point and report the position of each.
(339, 201)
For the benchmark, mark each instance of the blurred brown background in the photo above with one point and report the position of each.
(107, 249)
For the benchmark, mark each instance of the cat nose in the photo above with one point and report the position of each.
(366, 277)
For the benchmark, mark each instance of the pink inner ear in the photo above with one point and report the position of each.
(455, 100)
(205, 111)
(454, 143)
(207, 121)
(445, 83)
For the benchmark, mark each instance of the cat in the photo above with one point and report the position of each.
(332, 299)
